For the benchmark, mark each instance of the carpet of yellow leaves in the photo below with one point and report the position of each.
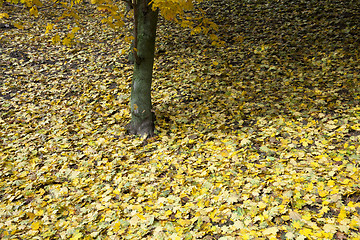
(258, 139)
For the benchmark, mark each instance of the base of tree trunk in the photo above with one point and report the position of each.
(145, 128)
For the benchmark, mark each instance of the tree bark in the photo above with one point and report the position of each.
(142, 117)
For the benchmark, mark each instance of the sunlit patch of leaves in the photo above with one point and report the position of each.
(258, 139)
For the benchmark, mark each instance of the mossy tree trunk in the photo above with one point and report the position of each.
(142, 117)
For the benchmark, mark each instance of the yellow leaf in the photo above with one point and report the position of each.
(76, 236)
(324, 209)
(66, 41)
(323, 193)
(356, 127)
(70, 35)
(272, 231)
(297, 224)
(38, 3)
(341, 215)
(239, 39)
(55, 39)
(40, 213)
(48, 28)
(307, 216)
(309, 187)
(75, 29)
(306, 232)
(117, 226)
(74, 15)
(233, 198)
(134, 220)
(34, 11)
(101, 141)
(168, 212)
(27, 2)
(196, 30)
(262, 205)
(290, 235)
(330, 228)
(213, 37)
(331, 183)
(35, 225)
(30, 215)
(4, 15)
(354, 224)
(345, 181)
(23, 174)
(184, 222)
(238, 225)
(224, 153)
(141, 216)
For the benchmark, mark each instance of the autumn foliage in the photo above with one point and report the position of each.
(257, 126)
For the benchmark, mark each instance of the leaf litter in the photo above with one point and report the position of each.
(256, 139)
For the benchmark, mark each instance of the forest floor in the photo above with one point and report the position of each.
(256, 139)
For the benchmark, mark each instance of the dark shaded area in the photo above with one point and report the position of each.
(19, 55)
(298, 56)
(6, 26)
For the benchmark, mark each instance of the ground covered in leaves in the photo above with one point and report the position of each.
(257, 139)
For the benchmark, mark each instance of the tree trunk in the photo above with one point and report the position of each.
(142, 117)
